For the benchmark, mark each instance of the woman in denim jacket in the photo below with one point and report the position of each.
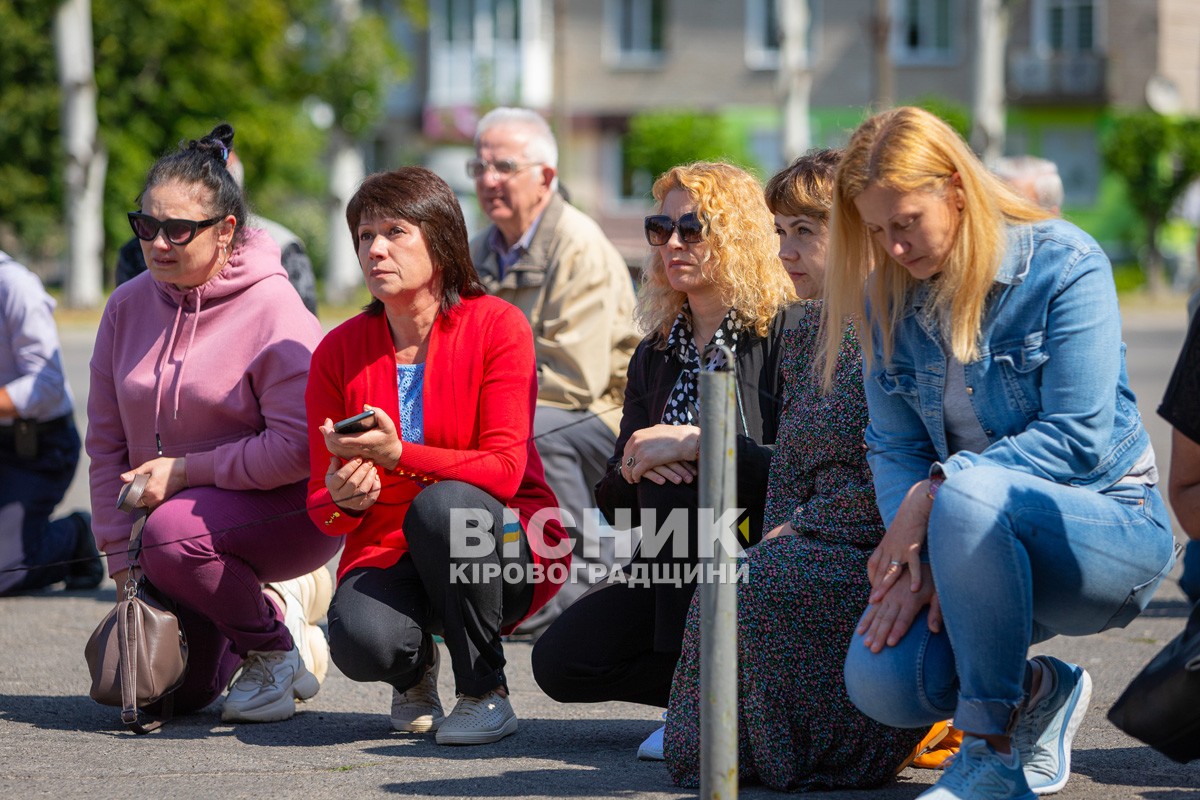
(1010, 463)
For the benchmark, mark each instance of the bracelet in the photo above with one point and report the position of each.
(935, 483)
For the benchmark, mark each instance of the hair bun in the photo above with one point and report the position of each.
(218, 143)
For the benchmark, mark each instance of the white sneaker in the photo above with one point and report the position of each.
(305, 601)
(478, 720)
(419, 710)
(268, 686)
(652, 748)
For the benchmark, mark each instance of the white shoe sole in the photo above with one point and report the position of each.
(1074, 720)
(477, 737)
(425, 724)
(305, 687)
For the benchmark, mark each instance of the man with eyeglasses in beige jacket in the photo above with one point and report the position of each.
(555, 263)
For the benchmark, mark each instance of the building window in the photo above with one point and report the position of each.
(635, 31)
(1067, 26)
(923, 31)
(764, 33)
(480, 52)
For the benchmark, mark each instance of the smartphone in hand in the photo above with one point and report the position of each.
(355, 424)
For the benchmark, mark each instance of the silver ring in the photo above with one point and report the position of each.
(896, 563)
(629, 462)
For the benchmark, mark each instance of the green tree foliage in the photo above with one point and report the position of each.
(953, 114)
(1158, 158)
(30, 151)
(659, 140)
(168, 71)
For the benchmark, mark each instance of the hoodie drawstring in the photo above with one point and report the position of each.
(168, 346)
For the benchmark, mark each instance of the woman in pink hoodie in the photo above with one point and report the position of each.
(197, 382)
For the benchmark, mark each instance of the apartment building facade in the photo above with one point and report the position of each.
(593, 65)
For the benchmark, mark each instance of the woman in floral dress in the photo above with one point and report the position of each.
(807, 581)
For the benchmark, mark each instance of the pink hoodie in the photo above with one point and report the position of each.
(216, 374)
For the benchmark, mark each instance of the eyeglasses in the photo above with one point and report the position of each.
(505, 167)
(178, 231)
(659, 228)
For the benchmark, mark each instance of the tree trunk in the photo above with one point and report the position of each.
(1152, 263)
(881, 34)
(86, 161)
(987, 127)
(346, 171)
(795, 77)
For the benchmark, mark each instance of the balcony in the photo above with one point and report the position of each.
(1059, 78)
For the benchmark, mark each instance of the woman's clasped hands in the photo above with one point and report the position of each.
(661, 453)
(893, 603)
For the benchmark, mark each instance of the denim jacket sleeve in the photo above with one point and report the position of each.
(899, 449)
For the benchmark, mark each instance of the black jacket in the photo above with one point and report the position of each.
(652, 375)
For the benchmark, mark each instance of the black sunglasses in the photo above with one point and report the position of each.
(659, 228)
(177, 231)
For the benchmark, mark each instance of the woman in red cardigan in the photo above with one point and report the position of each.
(450, 527)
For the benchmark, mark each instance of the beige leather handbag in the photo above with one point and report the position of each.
(138, 653)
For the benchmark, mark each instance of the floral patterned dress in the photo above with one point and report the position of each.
(797, 729)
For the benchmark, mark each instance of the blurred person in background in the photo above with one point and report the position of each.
(1035, 179)
(555, 264)
(39, 446)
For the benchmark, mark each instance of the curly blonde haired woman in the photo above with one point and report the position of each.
(712, 277)
(1011, 466)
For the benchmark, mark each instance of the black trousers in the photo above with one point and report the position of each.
(382, 621)
(622, 641)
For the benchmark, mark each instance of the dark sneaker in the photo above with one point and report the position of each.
(1044, 732)
(979, 773)
(87, 568)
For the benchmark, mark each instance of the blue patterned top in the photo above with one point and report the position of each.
(410, 378)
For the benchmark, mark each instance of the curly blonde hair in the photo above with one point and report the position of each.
(743, 249)
(908, 149)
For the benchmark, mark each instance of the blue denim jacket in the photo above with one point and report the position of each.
(1049, 387)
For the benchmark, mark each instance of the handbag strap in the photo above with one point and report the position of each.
(128, 623)
(129, 500)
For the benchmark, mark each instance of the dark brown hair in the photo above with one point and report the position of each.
(419, 196)
(204, 162)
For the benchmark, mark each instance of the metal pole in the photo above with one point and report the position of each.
(718, 593)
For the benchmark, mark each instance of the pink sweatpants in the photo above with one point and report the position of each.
(211, 550)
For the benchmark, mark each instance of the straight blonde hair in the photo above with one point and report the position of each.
(743, 249)
(907, 150)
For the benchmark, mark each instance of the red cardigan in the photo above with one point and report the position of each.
(478, 401)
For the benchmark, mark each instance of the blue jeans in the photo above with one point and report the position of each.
(1016, 559)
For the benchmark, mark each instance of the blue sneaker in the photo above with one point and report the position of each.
(1044, 732)
(979, 773)
(652, 748)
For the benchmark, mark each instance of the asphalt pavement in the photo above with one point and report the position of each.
(55, 742)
